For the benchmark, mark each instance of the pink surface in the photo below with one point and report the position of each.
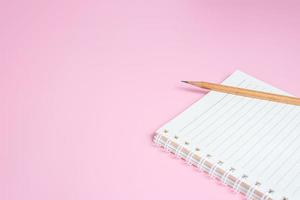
(84, 84)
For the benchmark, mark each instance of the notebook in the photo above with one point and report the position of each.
(251, 145)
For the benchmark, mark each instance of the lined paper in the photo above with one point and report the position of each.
(258, 138)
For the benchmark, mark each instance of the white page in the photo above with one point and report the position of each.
(258, 138)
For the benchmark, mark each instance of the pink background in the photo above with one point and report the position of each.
(84, 84)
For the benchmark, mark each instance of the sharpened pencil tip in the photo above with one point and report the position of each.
(185, 81)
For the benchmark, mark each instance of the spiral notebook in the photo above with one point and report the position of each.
(251, 145)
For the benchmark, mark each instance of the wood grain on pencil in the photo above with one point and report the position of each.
(246, 92)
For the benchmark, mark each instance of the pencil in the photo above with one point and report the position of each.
(246, 92)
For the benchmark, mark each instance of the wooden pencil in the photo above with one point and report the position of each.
(246, 92)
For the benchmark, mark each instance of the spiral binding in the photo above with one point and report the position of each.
(251, 190)
(237, 184)
(178, 151)
(157, 139)
(167, 145)
(200, 164)
(213, 169)
(265, 197)
(226, 174)
(189, 158)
